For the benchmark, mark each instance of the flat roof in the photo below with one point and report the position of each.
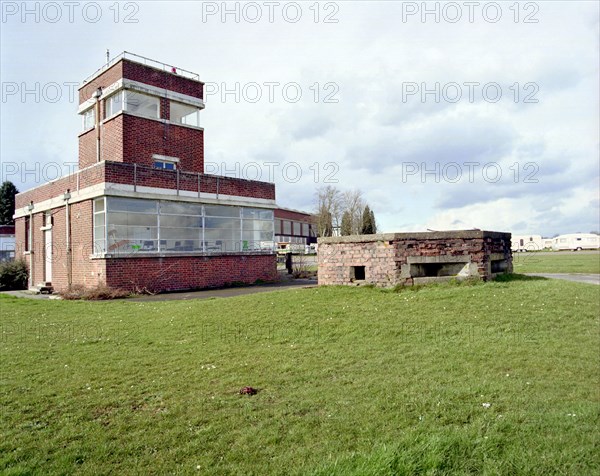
(424, 235)
(135, 58)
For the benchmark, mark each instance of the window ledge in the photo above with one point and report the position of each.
(158, 119)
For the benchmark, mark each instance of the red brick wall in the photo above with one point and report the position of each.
(144, 74)
(111, 142)
(115, 172)
(87, 148)
(108, 77)
(189, 272)
(144, 137)
(295, 216)
(162, 79)
(149, 177)
(90, 176)
(132, 139)
(37, 251)
(387, 257)
(84, 270)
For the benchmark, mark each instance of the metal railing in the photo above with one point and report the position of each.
(145, 61)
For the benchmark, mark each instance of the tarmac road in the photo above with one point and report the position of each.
(579, 278)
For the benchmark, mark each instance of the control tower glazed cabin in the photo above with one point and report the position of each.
(140, 213)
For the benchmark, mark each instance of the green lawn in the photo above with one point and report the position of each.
(496, 378)
(577, 262)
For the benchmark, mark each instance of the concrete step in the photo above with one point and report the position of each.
(42, 288)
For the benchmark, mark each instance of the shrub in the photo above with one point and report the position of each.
(97, 293)
(13, 275)
(301, 269)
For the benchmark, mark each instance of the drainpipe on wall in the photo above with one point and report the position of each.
(66, 197)
(97, 94)
(30, 244)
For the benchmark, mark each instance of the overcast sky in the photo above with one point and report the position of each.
(446, 115)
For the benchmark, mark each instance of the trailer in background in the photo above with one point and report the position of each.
(576, 242)
(522, 243)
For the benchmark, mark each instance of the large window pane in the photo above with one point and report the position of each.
(184, 114)
(99, 219)
(180, 221)
(137, 225)
(89, 119)
(180, 233)
(221, 211)
(257, 213)
(141, 104)
(179, 208)
(120, 232)
(258, 225)
(114, 104)
(257, 235)
(99, 226)
(222, 223)
(132, 219)
(131, 205)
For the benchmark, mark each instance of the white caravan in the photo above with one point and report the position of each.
(527, 243)
(576, 242)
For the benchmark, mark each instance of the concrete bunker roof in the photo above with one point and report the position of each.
(426, 235)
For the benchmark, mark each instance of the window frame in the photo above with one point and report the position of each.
(246, 229)
(124, 92)
(90, 112)
(180, 123)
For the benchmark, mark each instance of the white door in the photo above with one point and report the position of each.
(48, 254)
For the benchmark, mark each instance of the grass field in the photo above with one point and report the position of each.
(574, 262)
(495, 378)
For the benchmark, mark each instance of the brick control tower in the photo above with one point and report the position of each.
(140, 213)
(137, 110)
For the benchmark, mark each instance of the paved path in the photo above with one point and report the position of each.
(205, 294)
(580, 278)
(228, 292)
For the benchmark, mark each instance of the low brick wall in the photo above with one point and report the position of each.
(174, 273)
(413, 258)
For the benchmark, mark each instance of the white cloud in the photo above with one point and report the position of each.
(370, 132)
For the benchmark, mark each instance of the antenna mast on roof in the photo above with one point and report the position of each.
(107, 56)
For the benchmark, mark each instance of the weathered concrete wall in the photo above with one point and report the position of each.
(413, 258)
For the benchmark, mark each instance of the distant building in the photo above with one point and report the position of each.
(294, 226)
(7, 242)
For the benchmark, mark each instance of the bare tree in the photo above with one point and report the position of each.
(354, 204)
(329, 210)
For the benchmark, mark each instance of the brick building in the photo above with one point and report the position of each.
(390, 259)
(140, 212)
(7, 242)
(294, 226)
